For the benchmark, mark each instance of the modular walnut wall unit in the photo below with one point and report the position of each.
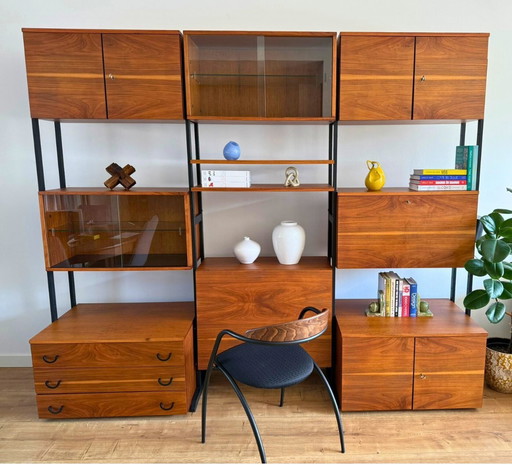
(409, 363)
(103, 360)
(260, 77)
(116, 368)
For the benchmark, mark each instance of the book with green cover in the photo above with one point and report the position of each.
(466, 157)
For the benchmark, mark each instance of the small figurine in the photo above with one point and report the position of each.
(120, 176)
(376, 178)
(292, 177)
(373, 309)
(424, 309)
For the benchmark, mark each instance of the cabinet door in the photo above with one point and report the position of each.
(449, 372)
(65, 75)
(376, 78)
(143, 76)
(376, 373)
(401, 229)
(450, 77)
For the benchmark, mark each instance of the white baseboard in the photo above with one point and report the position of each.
(15, 361)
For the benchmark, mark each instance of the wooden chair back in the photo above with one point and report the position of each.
(298, 330)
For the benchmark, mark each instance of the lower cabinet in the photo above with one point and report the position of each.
(109, 360)
(239, 297)
(408, 363)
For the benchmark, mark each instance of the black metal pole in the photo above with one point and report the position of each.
(38, 153)
(60, 155)
(51, 295)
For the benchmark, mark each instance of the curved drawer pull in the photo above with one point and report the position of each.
(49, 360)
(163, 407)
(163, 383)
(52, 386)
(163, 359)
(55, 411)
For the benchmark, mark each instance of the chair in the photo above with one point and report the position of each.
(270, 358)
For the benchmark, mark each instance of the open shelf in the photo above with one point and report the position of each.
(268, 188)
(261, 162)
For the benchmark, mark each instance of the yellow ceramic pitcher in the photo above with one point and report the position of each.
(376, 178)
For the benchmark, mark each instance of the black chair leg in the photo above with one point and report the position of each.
(334, 404)
(281, 402)
(205, 399)
(248, 412)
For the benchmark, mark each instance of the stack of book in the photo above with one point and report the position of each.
(217, 178)
(398, 297)
(466, 158)
(438, 180)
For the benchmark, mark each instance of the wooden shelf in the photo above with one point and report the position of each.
(215, 264)
(448, 320)
(261, 162)
(398, 191)
(268, 188)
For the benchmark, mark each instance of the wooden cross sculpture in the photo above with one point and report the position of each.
(120, 176)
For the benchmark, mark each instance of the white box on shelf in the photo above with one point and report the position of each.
(216, 178)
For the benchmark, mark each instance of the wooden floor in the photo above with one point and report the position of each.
(303, 431)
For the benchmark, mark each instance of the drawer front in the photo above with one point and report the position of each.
(111, 379)
(377, 230)
(449, 372)
(107, 354)
(124, 404)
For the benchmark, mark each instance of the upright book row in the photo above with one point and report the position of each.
(397, 297)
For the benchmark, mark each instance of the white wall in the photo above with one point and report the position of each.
(89, 148)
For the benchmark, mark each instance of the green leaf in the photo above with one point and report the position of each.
(475, 267)
(498, 220)
(503, 211)
(507, 291)
(476, 299)
(494, 250)
(494, 270)
(488, 223)
(496, 312)
(493, 287)
(507, 270)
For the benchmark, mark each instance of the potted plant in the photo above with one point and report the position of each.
(494, 247)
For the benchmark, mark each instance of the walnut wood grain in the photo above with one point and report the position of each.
(448, 372)
(450, 77)
(117, 404)
(403, 363)
(376, 75)
(65, 74)
(143, 76)
(398, 229)
(293, 330)
(239, 297)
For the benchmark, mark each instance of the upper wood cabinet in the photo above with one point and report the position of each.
(402, 76)
(78, 74)
(260, 75)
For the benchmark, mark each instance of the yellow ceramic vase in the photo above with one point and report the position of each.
(376, 178)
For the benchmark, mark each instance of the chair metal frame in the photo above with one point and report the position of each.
(214, 363)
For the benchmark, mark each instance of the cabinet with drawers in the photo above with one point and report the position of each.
(107, 360)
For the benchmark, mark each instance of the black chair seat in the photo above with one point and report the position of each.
(267, 366)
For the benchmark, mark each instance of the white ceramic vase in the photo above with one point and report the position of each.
(288, 239)
(247, 250)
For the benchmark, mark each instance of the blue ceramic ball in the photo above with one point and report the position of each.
(231, 151)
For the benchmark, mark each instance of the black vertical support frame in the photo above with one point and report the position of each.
(62, 183)
(196, 219)
(479, 141)
(41, 186)
(453, 286)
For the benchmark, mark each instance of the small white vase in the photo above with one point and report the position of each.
(288, 239)
(247, 250)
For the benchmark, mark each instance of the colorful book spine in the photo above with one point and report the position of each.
(435, 183)
(459, 172)
(466, 157)
(388, 294)
(413, 310)
(381, 294)
(438, 177)
(445, 187)
(406, 298)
